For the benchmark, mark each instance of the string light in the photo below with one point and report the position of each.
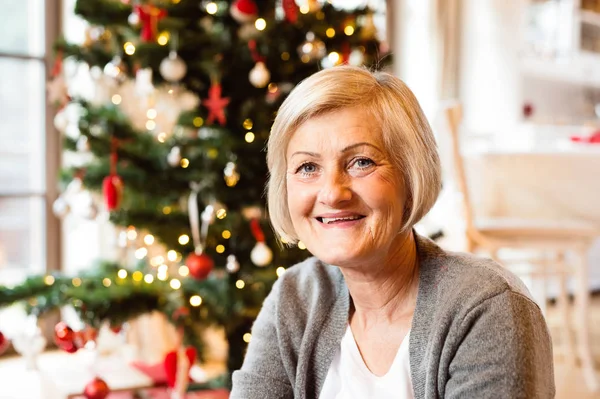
(349, 30)
(301, 245)
(260, 24)
(131, 233)
(172, 255)
(140, 253)
(49, 280)
(157, 260)
(220, 249)
(175, 284)
(149, 239)
(151, 113)
(272, 88)
(247, 337)
(122, 273)
(166, 210)
(285, 56)
(148, 278)
(226, 234)
(221, 213)
(304, 9)
(163, 269)
(150, 125)
(184, 163)
(183, 239)
(76, 282)
(334, 57)
(280, 270)
(129, 48)
(248, 124)
(283, 240)
(162, 137)
(240, 284)
(249, 137)
(184, 271)
(212, 153)
(137, 276)
(305, 58)
(195, 300)
(162, 275)
(198, 121)
(106, 282)
(116, 99)
(163, 38)
(212, 8)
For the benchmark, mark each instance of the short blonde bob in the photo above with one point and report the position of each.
(395, 112)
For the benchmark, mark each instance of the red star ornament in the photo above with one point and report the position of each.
(216, 104)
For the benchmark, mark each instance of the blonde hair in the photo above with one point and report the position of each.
(391, 104)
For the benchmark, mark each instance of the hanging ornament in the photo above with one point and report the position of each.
(314, 5)
(174, 157)
(356, 58)
(112, 186)
(231, 174)
(116, 69)
(60, 207)
(30, 343)
(64, 337)
(215, 104)
(61, 121)
(261, 254)
(149, 16)
(312, 50)
(143, 82)
(4, 343)
(368, 31)
(177, 368)
(290, 10)
(259, 76)
(173, 68)
(199, 264)
(133, 19)
(232, 265)
(96, 389)
(57, 88)
(244, 11)
(84, 206)
(83, 144)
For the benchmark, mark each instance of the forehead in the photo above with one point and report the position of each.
(336, 129)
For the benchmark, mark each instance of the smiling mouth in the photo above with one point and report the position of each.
(339, 220)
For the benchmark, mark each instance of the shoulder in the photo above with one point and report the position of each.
(308, 284)
(464, 279)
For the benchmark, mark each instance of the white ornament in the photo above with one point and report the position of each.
(261, 254)
(356, 57)
(83, 144)
(143, 82)
(84, 206)
(259, 75)
(61, 121)
(232, 264)
(133, 19)
(75, 186)
(60, 207)
(174, 156)
(57, 90)
(173, 68)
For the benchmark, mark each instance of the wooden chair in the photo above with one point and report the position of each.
(556, 241)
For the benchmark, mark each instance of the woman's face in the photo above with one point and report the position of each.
(345, 198)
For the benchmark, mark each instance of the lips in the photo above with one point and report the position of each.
(334, 219)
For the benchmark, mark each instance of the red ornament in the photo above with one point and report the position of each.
(96, 389)
(149, 17)
(244, 11)
(171, 364)
(527, 110)
(4, 342)
(200, 265)
(112, 186)
(216, 104)
(290, 10)
(65, 337)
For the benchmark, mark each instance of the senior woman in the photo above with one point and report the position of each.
(379, 311)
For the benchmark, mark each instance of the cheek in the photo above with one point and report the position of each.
(301, 197)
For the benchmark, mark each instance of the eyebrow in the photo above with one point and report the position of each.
(345, 149)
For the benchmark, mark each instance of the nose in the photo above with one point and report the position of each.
(335, 189)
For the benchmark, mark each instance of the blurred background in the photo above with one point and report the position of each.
(133, 230)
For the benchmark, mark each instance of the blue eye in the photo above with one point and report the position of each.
(363, 163)
(307, 168)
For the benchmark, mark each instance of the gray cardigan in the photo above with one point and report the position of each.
(476, 333)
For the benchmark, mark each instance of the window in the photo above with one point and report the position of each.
(29, 239)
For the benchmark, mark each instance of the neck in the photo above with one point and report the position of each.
(385, 291)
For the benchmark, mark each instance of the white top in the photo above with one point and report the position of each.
(348, 376)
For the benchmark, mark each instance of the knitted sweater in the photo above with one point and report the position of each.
(476, 333)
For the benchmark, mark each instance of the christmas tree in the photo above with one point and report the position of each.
(172, 139)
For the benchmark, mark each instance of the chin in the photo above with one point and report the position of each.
(337, 255)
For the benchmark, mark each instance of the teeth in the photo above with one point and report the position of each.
(331, 220)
